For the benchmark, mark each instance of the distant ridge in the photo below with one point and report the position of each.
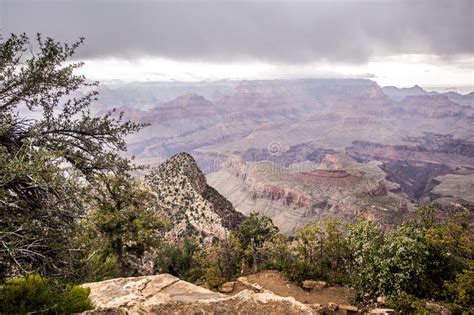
(399, 94)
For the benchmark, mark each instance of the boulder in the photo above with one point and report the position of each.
(255, 287)
(165, 294)
(314, 285)
(381, 300)
(349, 308)
(227, 287)
(333, 307)
(382, 311)
(317, 307)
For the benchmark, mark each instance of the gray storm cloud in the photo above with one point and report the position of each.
(275, 31)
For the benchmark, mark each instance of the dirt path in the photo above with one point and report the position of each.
(279, 284)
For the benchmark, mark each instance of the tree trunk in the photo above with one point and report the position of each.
(254, 257)
(321, 256)
(228, 258)
(120, 266)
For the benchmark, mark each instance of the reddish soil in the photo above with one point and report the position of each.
(279, 284)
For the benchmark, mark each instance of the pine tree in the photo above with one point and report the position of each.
(51, 150)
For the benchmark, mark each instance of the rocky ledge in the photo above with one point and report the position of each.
(165, 294)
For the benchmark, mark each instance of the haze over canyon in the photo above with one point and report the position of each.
(304, 150)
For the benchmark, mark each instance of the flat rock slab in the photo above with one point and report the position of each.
(165, 294)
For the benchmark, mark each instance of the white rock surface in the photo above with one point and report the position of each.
(165, 294)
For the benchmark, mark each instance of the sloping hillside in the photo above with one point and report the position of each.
(193, 207)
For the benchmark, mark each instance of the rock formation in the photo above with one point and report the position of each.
(193, 207)
(419, 167)
(165, 294)
(293, 196)
(394, 146)
(398, 95)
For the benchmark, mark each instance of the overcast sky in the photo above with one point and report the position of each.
(402, 43)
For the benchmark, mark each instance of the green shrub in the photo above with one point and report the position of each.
(365, 240)
(35, 294)
(417, 258)
(178, 259)
(410, 264)
(407, 304)
(321, 250)
(252, 234)
(461, 290)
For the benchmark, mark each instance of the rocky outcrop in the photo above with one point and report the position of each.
(294, 154)
(293, 196)
(373, 91)
(416, 165)
(398, 94)
(193, 207)
(165, 294)
(287, 196)
(231, 219)
(182, 107)
(434, 106)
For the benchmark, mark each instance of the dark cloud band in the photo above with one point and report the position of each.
(274, 31)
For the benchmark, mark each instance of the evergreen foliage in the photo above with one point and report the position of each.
(254, 231)
(123, 215)
(51, 148)
(35, 294)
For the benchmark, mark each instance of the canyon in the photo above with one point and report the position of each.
(309, 149)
